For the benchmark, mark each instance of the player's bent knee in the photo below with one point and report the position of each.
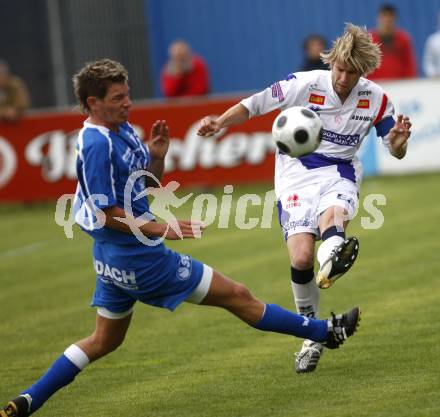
(241, 293)
(303, 261)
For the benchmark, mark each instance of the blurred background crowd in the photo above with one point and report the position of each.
(175, 48)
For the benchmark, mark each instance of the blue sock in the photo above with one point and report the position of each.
(277, 319)
(61, 373)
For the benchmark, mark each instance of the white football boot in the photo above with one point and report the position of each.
(339, 262)
(307, 358)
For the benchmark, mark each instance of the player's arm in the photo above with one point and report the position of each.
(394, 134)
(274, 97)
(235, 115)
(158, 145)
(398, 137)
(118, 219)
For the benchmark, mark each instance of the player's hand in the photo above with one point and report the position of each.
(188, 229)
(208, 127)
(398, 136)
(159, 139)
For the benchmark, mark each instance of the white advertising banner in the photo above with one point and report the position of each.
(420, 100)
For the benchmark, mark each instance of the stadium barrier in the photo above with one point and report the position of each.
(37, 154)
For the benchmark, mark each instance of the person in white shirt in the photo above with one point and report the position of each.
(431, 54)
(318, 193)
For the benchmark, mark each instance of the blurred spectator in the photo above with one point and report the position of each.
(14, 97)
(185, 73)
(313, 46)
(431, 55)
(398, 59)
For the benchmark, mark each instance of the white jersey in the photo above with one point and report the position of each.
(345, 125)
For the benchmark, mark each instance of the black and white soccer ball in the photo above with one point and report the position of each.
(297, 131)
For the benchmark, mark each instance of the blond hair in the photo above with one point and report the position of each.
(355, 48)
(94, 79)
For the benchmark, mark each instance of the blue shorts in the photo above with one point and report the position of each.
(156, 276)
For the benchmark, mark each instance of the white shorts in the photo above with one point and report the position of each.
(299, 208)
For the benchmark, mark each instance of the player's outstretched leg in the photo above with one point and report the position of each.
(237, 299)
(340, 260)
(108, 335)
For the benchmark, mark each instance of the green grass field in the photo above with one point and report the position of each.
(202, 362)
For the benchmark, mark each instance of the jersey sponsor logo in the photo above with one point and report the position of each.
(112, 275)
(363, 104)
(317, 99)
(362, 118)
(277, 92)
(337, 138)
(364, 93)
(316, 109)
(293, 201)
(184, 270)
(294, 224)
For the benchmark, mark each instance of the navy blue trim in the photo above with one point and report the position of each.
(316, 160)
(332, 231)
(281, 211)
(384, 126)
(301, 276)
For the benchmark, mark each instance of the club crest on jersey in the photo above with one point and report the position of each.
(184, 271)
(317, 99)
(363, 104)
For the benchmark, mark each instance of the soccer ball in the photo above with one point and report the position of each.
(297, 131)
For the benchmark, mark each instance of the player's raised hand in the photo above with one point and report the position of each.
(188, 230)
(208, 127)
(159, 139)
(399, 135)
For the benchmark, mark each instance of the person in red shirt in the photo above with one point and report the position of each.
(398, 59)
(185, 73)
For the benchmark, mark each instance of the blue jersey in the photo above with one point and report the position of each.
(105, 161)
(126, 269)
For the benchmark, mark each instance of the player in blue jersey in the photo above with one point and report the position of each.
(130, 268)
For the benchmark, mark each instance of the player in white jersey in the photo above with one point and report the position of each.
(318, 193)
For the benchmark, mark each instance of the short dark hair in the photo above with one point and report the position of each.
(95, 78)
(388, 8)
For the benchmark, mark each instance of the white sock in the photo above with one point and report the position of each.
(306, 298)
(77, 356)
(326, 248)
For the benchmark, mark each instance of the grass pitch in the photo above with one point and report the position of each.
(203, 362)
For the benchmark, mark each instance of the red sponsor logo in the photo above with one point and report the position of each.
(317, 99)
(293, 201)
(363, 104)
